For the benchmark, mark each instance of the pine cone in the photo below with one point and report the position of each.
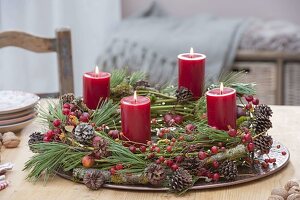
(155, 174)
(84, 132)
(263, 143)
(193, 165)
(94, 179)
(181, 180)
(183, 94)
(261, 124)
(67, 98)
(141, 84)
(263, 111)
(101, 147)
(229, 170)
(35, 138)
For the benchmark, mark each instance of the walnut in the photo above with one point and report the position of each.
(275, 197)
(290, 184)
(280, 192)
(10, 140)
(294, 190)
(294, 197)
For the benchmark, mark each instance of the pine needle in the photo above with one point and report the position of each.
(50, 158)
(117, 77)
(106, 114)
(136, 76)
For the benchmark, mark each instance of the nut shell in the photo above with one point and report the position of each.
(290, 184)
(294, 197)
(275, 197)
(10, 140)
(280, 192)
(294, 190)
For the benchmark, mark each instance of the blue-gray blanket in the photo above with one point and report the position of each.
(152, 44)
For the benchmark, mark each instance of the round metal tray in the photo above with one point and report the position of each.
(247, 175)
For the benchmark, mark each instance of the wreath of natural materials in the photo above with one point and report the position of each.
(184, 150)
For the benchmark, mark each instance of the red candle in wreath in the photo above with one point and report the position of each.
(221, 107)
(191, 72)
(135, 117)
(96, 88)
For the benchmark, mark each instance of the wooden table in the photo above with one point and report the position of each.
(285, 129)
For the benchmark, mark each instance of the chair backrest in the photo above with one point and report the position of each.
(61, 44)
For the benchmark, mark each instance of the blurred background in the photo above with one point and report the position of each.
(259, 37)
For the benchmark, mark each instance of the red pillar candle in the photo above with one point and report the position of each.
(96, 88)
(135, 117)
(191, 72)
(221, 107)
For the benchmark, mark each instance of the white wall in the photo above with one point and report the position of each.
(90, 21)
(265, 9)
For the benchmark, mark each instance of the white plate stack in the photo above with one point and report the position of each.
(17, 109)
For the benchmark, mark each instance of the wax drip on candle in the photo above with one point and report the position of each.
(96, 71)
(135, 96)
(191, 52)
(221, 88)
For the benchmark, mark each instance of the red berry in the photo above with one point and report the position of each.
(169, 162)
(119, 167)
(250, 147)
(189, 128)
(178, 119)
(46, 139)
(278, 146)
(232, 132)
(173, 140)
(209, 174)
(161, 134)
(214, 149)
(157, 161)
(255, 101)
(50, 133)
(249, 98)
(151, 155)
(283, 153)
(87, 161)
(157, 149)
(181, 138)
(112, 171)
(174, 167)
(167, 118)
(132, 149)
(56, 123)
(66, 111)
(215, 164)
(161, 158)
(220, 144)
(216, 176)
(84, 117)
(202, 155)
(267, 160)
(272, 160)
(143, 149)
(248, 106)
(264, 165)
(248, 137)
(169, 148)
(149, 143)
(223, 149)
(66, 105)
(114, 134)
(178, 159)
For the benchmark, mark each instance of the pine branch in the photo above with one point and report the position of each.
(48, 114)
(117, 77)
(50, 158)
(136, 76)
(106, 114)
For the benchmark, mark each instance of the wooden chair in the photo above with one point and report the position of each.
(61, 44)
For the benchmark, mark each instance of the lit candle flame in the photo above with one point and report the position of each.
(191, 52)
(97, 71)
(135, 96)
(221, 88)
